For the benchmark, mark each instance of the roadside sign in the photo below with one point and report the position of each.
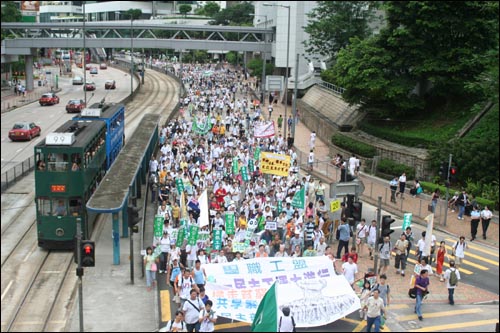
(406, 220)
(334, 205)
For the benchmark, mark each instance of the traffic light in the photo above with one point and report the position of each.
(133, 218)
(349, 205)
(357, 208)
(442, 171)
(386, 225)
(453, 174)
(42, 52)
(88, 253)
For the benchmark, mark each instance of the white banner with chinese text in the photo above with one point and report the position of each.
(309, 286)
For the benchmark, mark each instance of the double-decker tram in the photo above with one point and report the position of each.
(114, 117)
(70, 164)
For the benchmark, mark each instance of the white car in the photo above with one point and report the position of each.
(77, 80)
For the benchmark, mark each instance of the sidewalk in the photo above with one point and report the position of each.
(375, 186)
(465, 294)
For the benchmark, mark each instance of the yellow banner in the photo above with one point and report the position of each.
(274, 164)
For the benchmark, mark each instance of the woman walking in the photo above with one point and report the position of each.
(150, 266)
(440, 260)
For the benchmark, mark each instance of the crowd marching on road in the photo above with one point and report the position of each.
(214, 145)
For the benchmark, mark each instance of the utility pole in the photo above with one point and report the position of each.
(295, 91)
(375, 250)
(447, 184)
(79, 270)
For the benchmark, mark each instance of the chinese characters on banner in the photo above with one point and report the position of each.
(275, 164)
(251, 166)
(263, 129)
(235, 165)
(309, 286)
(280, 207)
(180, 236)
(193, 234)
(202, 238)
(158, 225)
(244, 173)
(229, 223)
(217, 239)
(179, 184)
(256, 154)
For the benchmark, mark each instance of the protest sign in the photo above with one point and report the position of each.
(309, 286)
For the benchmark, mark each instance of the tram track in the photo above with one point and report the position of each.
(38, 288)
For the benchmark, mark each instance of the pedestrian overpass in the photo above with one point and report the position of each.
(25, 38)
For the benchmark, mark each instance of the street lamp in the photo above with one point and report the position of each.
(131, 56)
(287, 57)
(262, 85)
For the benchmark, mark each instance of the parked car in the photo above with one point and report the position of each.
(88, 66)
(49, 99)
(110, 84)
(24, 131)
(89, 85)
(75, 105)
(103, 66)
(93, 70)
(77, 80)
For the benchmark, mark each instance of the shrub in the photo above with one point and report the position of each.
(354, 146)
(392, 168)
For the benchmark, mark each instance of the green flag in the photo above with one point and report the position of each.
(266, 317)
(299, 198)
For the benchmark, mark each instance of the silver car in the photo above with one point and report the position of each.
(77, 80)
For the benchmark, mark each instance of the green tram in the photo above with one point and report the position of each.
(70, 163)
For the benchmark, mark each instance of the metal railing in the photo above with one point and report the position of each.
(14, 174)
(333, 88)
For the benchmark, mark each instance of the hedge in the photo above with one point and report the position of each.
(354, 146)
(392, 168)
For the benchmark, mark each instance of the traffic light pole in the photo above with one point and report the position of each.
(375, 250)
(447, 189)
(134, 203)
(79, 270)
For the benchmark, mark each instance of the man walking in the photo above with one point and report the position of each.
(374, 307)
(400, 249)
(343, 238)
(459, 251)
(452, 276)
(384, 250)
(422, 284)
(462, 202)
(393, 185)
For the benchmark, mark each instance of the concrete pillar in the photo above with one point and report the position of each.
(28, 59)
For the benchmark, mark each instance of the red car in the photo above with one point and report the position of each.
(103, 66)
(89, 85)
(75, 105)
(48, 99)
(24, 131)
(88, 66)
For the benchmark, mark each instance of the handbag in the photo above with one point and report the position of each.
(154, 268)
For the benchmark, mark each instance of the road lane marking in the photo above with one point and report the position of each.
(231, 325)
(30, 253)
(462, 270)
(6, 289)
(166, 314)
(440, 314)
(494, 254)
(438, 328)
(467, 262)
(397, 306)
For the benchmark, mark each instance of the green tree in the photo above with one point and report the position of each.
(211, 9)
(135, 14)
(10, 12)
(238, 14)
(428, 52)
(184, 9)
(333, 23)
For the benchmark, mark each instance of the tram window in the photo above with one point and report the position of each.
(75, 206)
(58, 162)
(76, 162)
(40, 161)
(59, 207)
(44, 206)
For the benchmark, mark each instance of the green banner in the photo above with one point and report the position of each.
(244, 173)
(256, 154)
(180, 237)
(158, 225)
(179, 184)
(201, 128)
(239, 247)
(262, 222)
(173, 236)
(299, 199)
(251, 166)
(230, 223)
(406, 220)
(279, 209)
(217, 239)
(193, 234)
(235, 165)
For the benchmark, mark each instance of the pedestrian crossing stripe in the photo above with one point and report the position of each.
(166, 314)
(414, 262)
(440, 314)
(493, 253)
(467, 262)
(474, 324)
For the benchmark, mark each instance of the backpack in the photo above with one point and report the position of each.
(453, 278)
(293, 324)
(172, 322)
